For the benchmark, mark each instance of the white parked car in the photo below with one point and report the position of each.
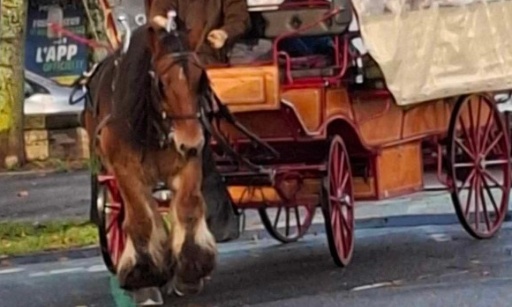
(45, 96)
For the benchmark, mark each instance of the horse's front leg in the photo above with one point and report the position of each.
(192, 243)
(146, 260)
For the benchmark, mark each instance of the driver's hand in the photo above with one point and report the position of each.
(217, 38)
(160, 21)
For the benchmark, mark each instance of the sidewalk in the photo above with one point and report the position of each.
(61, 196)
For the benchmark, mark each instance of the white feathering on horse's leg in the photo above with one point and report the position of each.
(129, 255)
(157, 243)
(204, 238)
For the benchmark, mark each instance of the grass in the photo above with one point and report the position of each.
(18, 238)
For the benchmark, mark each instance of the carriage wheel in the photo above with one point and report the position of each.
(338, 204)
(111, 234)
(287, 224)
(478, 165)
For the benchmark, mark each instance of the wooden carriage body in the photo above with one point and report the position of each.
(393, 112)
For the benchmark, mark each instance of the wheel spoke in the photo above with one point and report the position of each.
(477, 128)
(468, 203)
(465, 149)
(493, 180)
(487, 130)
(346, 219)
(493, 144)
(470, 177)
(297, 217)
(341, 173)
(335, 167)
(484, 207)
(342, 230)
(477, 202)
(466, 133)
(111, 224)
(334, 216)
(472, 128)
(491, 197)
(287, 223)
(276, 221)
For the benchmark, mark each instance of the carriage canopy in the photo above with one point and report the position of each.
(430, 49)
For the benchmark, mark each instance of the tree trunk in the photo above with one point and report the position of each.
(12, 42)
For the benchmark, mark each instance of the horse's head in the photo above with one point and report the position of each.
(182, 81)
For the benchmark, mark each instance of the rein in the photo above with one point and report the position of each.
(165, 125)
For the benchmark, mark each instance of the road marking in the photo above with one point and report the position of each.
(64, 271)
(38, 274)
(372, 286)
(57, 272)
(97, 268)
(10, 271)
(440, 237)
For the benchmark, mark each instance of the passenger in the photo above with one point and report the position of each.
(304, 46)
(219, 23)
(215, 26)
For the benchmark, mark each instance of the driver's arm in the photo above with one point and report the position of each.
(236, 18)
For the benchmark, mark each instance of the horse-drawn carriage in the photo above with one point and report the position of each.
(294, 132)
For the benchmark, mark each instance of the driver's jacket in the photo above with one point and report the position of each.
(202, 16)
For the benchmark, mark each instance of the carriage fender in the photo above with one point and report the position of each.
(344, 127)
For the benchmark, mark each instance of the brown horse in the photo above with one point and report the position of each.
(145, 116)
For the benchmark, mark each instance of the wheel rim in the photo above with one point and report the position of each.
(287, 223)
(340, 203)
(111, 230)
(479, 165)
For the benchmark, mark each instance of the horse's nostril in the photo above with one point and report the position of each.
(189, 152)
(192, 152)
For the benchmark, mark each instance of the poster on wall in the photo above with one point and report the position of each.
(55, 56)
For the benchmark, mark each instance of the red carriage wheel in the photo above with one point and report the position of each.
(287, 224)
(338, 204)
(110, 226)
(478, 165)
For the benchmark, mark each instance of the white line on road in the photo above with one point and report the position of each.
(10, 271)
(68, 270)
(97, 268)
(440, 237)
(56, 272)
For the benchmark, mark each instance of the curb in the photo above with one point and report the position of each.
(397, 221)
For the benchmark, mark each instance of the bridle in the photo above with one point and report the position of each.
(165, 125)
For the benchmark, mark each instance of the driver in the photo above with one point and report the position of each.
(214, 25)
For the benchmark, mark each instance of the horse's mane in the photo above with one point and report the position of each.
(132, 97)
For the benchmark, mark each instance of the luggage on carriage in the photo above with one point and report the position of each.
(408, 87)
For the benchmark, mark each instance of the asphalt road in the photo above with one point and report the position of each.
(421, 266)
(41, 197)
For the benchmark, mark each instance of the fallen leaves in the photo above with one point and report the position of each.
(22, 193)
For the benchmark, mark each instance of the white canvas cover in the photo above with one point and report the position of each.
(430, 49)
